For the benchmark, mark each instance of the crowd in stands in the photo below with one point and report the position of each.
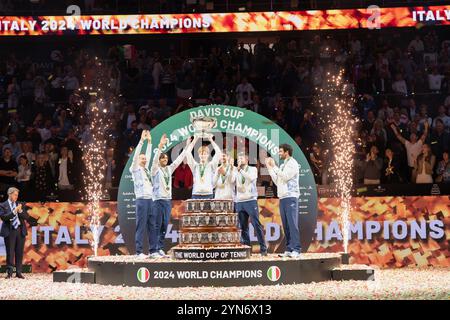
(400, 81)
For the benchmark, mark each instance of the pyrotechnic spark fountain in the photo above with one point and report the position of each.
(336, 113)
(93, 158)
(93, 148)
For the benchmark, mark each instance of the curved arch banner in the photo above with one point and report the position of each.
(236, 123)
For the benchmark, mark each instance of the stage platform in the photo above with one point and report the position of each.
(257, 270)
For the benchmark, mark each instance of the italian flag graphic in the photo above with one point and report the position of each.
(273, 273)
(143, 275)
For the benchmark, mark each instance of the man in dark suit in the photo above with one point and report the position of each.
(14, 231)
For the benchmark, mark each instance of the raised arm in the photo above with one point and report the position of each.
(148, 151)
(175, 163)
(218, 152)
(137, 152)
(148, 154)
(397, 134)
(189, 157)
(144, 136)
(425, 132)
(155, 162)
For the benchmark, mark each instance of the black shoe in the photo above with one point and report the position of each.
(20, 276)
(263, 253)
(9, 276)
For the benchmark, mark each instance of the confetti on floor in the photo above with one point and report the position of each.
(405, 283)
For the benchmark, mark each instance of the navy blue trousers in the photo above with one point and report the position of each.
(289, 218)
(162, 209)
(246, 210)
(145, 222)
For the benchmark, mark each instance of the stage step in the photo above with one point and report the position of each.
(74, 276)
(170, 273)
(353, 272)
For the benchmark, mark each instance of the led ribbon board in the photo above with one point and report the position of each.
(372, 18)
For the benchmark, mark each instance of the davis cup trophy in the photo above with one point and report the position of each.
(203, 126)
(209, 228)
(209, 231)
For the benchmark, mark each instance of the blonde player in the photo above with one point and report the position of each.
(204, 170)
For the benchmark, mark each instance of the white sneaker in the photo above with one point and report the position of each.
(163, 254)
(142, 256)
(154, 255)
(286, 254)
(295, 254)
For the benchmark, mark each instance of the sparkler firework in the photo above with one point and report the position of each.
(336, 112)
(93, 147)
